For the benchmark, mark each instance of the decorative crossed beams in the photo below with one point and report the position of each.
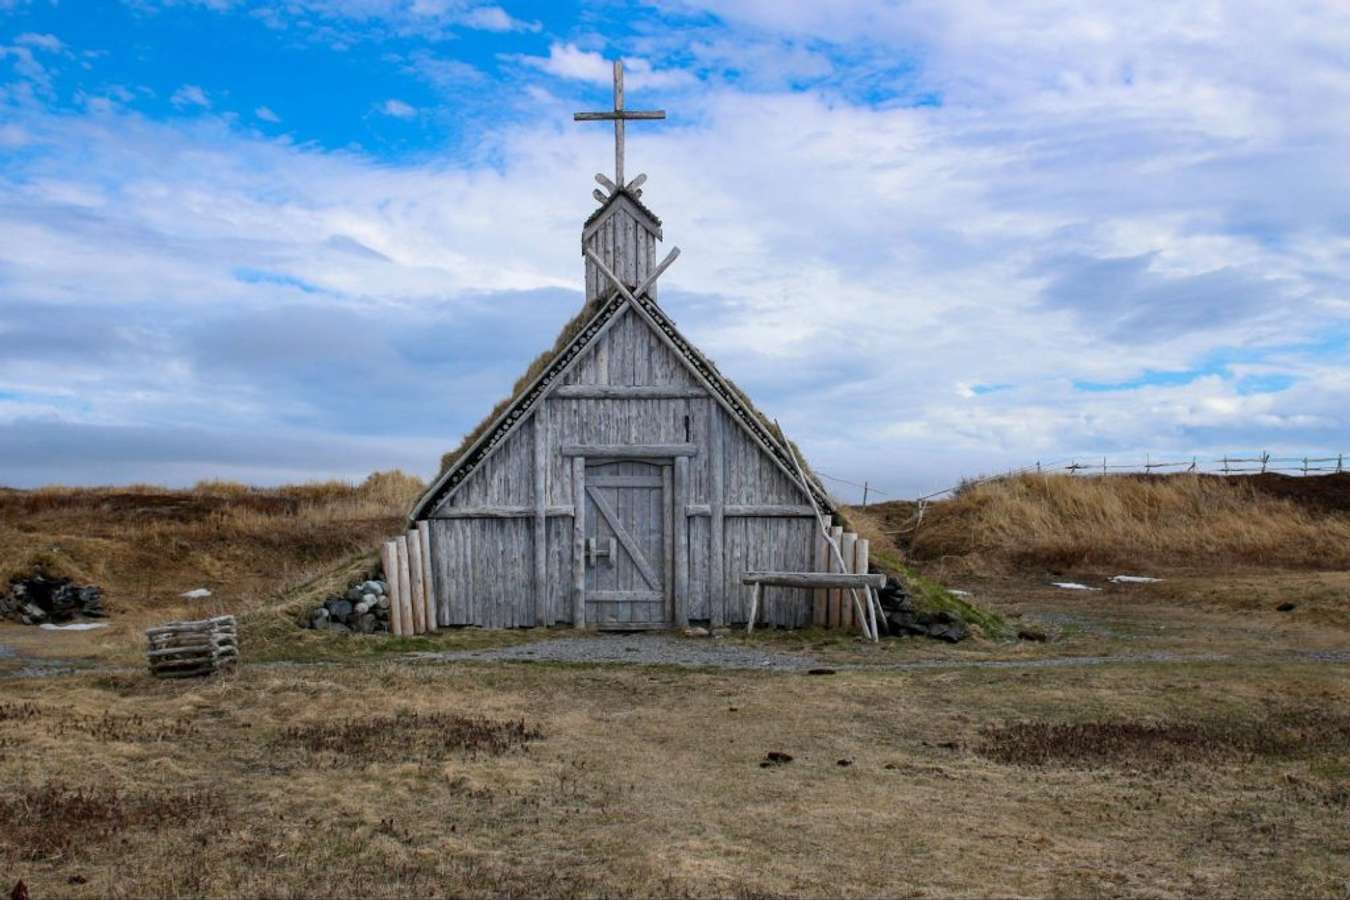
(646, 284)
(618, 115)
(657, 317)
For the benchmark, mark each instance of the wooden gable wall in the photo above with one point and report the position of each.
(485, 565)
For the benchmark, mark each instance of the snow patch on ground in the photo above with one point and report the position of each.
(73, 626)
(1073, 586)
(1132, 579)
(195, 594)
(957, 593)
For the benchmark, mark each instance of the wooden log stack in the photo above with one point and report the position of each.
(193, 649)
(412, 592)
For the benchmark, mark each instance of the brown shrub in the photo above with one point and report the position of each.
(56, 820)
(413, 736)
(1155, 745)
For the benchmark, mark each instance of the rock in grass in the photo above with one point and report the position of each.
(369, 599)
(775, 758)
(366, 624)
(382, 602)
(1286, 607)
(1031, 633)
(339, 609)
(354, 594)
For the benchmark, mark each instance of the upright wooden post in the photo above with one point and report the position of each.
(405, 586)
(428, 583)
(389, 559)
(579, 542)
(716, 504)
(681, 541)
(820, 610)
(836, 594)
(847, 548)
(419, 600)
(861, 560)
(541, 616)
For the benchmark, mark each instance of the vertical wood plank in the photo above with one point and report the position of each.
(681, 485)
(716, 502)
(836, 595)
(404, 585)
(428, 577)
(540, 516)
(847, 549)
(389, 559)
(579, 542)
(820, 614)
(862, 556)
(668, 537)
(415, 590)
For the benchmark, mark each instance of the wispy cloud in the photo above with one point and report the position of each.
(265, 114)
(571, 62)
(190, 95)
(398, 109)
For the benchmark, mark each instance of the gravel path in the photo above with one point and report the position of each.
(645, 649)
(664, 649)
(656, 649)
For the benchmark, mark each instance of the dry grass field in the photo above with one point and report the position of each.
(1184, 737)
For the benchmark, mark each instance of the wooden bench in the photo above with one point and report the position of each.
(759, 580)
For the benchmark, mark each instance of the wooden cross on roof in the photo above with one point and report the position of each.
(619, 115)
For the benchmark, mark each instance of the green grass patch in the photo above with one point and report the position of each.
(930, 597)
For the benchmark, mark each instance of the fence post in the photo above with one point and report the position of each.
(1339, 457)
(1103, 465)
(1193, 463)
(1305, 466)
(864, 493)
(1265, 458)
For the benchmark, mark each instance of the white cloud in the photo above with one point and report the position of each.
(494, 18)
(49, 42)
(190, 95)
(569, 61)
(1087, 205)
(265, 113)
(398, 109)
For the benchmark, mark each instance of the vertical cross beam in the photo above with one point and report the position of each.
(618, 122)
(618, 116)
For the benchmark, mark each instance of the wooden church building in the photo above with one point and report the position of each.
(627, 484)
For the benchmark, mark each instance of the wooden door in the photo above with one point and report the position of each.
(628, 545)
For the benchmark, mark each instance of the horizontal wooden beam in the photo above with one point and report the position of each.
(629, 392)
(815, 579)
(625, 481)
(623, 114)
(784, 510)
(630, 451)
(624, 597)
(498, 512)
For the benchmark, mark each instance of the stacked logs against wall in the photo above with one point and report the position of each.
(189, 649)
(407, 566)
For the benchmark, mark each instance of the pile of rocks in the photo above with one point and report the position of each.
(38, 599)
(904, 618)
(363, 609)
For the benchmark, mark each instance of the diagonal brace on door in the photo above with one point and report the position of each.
(630, 545)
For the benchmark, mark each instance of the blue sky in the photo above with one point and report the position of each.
(310, 239)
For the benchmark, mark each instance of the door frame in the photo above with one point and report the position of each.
(674, 462)
(664, 567)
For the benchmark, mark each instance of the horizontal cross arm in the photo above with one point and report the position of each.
(619, 114)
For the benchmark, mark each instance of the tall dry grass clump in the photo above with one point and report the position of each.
(1062, 521)
(146, 545)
